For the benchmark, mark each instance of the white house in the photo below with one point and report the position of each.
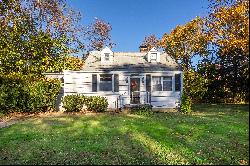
(128, 78)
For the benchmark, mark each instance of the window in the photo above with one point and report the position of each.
(153, 57)
(106, 56)
(162, 83)
(177, 82)
(167, 83)
(157, 84)
(105, 82)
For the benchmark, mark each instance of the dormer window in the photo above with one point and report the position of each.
(106, 56)
(153, 55)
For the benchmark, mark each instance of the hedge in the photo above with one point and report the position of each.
(75, 103)
(23, 94)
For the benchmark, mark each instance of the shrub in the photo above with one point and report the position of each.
(186, 104)
(73, 103)
(145, 110)
(12, 98)
(96, 103)
(20, 94)
(93, 103)
(43, 94)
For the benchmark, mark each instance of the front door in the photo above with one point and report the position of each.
(135, 90)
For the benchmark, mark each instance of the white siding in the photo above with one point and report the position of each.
(81, 82)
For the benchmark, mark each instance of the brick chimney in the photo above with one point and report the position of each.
(143, 48)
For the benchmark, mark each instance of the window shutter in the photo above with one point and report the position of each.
(148, 82)
(177, 82)
(94, 83)
(116, 82)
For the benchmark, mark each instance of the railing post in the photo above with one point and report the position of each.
(147, 97)
(117, 104)
(132, 98)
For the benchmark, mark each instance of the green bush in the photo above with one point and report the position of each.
(73, 103)
(19, 94)
(43, 94)
(186, 103)
(96, 103)
(145, 110)
(13, 98)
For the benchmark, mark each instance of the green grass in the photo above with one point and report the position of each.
(212, 134)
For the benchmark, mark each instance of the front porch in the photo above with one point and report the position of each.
(135, 99)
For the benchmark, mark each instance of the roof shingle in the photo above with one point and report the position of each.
(129, 61)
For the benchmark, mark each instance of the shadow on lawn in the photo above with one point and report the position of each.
(170, 138)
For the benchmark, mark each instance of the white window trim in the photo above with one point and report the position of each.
(155, 57)
(172, 77)
(173, 85)
(99, 80)
(165, 80)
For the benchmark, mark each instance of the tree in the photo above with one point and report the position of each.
(73, 63)
(209, 69)
(50, 16)
(98, 35)
(228, 26)
(35, 35)
(183, 43)
(151, 41)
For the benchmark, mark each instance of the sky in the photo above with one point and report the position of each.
(133, 20)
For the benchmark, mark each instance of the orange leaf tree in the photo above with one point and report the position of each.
(228, 72)
(183, 43)
(151, 41)
(97, 35)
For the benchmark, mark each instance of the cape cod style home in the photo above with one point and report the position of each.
(128, 78)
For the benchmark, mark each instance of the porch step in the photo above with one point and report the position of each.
(134, 106)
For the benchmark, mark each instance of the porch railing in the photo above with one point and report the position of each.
(145, 95)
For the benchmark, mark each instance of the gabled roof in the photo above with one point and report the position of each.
(153, 49)
(129, 61)
(106, 50)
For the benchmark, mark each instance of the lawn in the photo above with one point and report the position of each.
(212, 134)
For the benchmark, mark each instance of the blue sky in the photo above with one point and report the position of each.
(132, 20)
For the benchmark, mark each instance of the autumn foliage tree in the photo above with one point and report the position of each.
(150, 42)
(97, 35)
(228, 70)
(183, 43)
(35, 35)
(221, 40)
